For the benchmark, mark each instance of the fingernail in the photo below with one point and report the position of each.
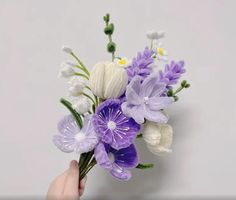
(73, 164)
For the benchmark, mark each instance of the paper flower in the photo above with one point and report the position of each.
(158, 137)
(108, 80)
(160, 52)
(112, 126)
(123, 62)
(77, 86)
(141, 65)
(66, 49)
(117, 162)
(81, 104)
(74, 139)
(145, 101)
(154, 35)
(66, 71)
(172, 73)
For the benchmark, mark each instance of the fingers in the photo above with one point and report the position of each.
(82, 186)
(72, 181)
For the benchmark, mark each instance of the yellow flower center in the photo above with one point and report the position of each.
(160, 51)
(122, 62)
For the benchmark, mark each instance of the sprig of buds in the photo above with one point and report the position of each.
(109, 30)
(171, 93)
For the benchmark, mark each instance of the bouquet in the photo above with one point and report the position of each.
(117, 102)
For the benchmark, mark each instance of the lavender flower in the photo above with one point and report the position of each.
(144, 100)
(112, 126)
(117, 162)
(172, 73)
(141, 65)
(74, 139)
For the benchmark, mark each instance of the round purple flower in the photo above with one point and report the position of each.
(74, 139)
(117, 162)
(112, 126)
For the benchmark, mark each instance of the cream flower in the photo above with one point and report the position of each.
(81, 104)
(77, 86)
(108, 80)
(161, 53)
(66, 71)
(158, 137)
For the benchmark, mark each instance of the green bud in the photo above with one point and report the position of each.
(109, 29)
(183, 83)
(106, 18)
(111, 47)
(187, 85)
(176, 98)
(170, 93)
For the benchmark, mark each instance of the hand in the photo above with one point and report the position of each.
(67, 186)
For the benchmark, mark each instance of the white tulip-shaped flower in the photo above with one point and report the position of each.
(108, 80)
(154, 35)
(77, 86)
(81, 104)
(66, 71)
(158, 137)
(66, 49)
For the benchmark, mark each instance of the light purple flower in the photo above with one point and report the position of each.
(74, 139)
(117, 162)
(141, 65)
(144, 100)
(172, 73)
(112, 126)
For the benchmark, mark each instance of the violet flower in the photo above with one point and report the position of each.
(117, 162)
(112, 126)
(141, 65)
(144, 100)
(172, 73)
(74, 139)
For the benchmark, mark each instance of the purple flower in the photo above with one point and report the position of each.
(144, 100)
(172, 73)
(141, 65)
(117, 161)
(112, 126)
(74, 139)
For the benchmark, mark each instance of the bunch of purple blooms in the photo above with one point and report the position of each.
(116, 103)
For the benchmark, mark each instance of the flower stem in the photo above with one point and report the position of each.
(80, 74)
(139, 135)
(81, 63)
(89, 98)
(88, 168)
(76, 115)
(145, 166)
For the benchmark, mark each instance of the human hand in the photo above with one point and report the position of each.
(66, 186)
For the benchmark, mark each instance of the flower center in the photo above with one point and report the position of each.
(111, 125)
(79, 136)
(122, 62)
(146, 99)
(160, 51)
(111, 157)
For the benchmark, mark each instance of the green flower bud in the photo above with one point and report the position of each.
(187, 85)
(109, 29)
(170, 93)
(176, 98)
(183, 83)
(106, 18)
(111, 47)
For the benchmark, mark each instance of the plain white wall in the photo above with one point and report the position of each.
(201, 32)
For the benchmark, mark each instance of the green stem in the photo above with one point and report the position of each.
(139, 135)
(145, 166)
(89, 167)
(81, 63)
(80, 74)
(113, 53)
(77, 117)
(178, 90)
(89, 98)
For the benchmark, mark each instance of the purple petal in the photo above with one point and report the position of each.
(147, 85)
(158, 103)
(155, 116)
(102, 156)
(120, 173)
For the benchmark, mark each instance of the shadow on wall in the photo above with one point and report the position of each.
(150, 181)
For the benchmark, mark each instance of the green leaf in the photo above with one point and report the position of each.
(145, 166)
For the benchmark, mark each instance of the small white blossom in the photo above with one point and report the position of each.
(123, 62)
(158, 137)
(81, 104)
(66, 71)
(161, 53)
(154, 35)
(77, 86)
(66, 49)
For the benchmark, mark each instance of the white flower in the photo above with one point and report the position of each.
(81, 104)
(158, 137)
(123, 62)
(161, 53)
(108, 80)
(66, 71)
(66, 49)
(154, 35)
(77, 86)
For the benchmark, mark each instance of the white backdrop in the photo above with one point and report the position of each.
(201, 32)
